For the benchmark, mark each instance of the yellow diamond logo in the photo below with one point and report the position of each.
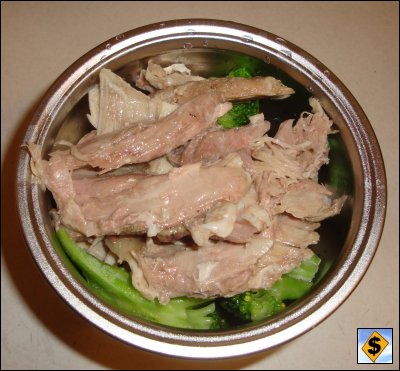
(374, 346)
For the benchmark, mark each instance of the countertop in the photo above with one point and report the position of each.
(358, 41)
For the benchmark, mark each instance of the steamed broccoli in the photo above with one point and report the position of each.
(113, 285)
(261, 304)
(240, 72)
(250, 306)
(240, 112)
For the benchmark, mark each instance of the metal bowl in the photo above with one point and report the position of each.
(211, 47)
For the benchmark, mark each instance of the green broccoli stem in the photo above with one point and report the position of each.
(295, 284)
(322, 271)
(289, 288)
(113, 285)
(306, 270)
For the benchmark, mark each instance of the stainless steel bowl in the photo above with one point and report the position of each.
(211, 47)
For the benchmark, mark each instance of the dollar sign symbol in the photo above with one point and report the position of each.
(375, 347)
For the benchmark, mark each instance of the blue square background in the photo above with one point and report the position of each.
(362, 336)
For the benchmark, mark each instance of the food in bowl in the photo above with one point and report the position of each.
(211, 217)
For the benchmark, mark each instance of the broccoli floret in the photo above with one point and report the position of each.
(256, 306)
(240, 72)
(250, 306)
(240, 112)
(113, 285)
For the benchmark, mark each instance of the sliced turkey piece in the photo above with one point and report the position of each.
(295, 232)
(217, 142)
(162, 78)
(138, 203)
(281, 259)
(223, 269)
(230, 89)
(225, 221)
(157, 202)
(145, 142)
(114, 104)
(309, 201)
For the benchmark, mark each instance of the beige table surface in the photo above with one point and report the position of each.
(357, 41)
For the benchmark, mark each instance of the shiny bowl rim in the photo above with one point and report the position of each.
(196, 344)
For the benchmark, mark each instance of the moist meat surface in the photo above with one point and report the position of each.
(230, 89)
(195, 209)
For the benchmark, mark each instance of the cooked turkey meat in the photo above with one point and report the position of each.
(230, 89)
(196, 210)
(218, 142)
(145, 142)
(222, 269)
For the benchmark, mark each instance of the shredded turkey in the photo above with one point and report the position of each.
(310, 131)
(193, 208)
(158, 77)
